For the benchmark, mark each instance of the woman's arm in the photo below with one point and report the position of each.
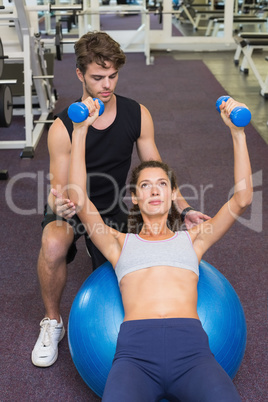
(104, 237)
(209, 232)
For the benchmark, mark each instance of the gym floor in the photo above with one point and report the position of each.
(243, 87)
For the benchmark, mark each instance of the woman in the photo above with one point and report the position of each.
(162, 349)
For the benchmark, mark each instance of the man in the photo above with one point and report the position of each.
(109, 149)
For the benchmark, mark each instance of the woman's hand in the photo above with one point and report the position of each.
(93, 108)
(226, 109)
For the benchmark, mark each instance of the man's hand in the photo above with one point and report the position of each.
(64, 207)
(194, 218)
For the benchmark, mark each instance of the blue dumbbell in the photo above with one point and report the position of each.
(78, 111)
(240, 116)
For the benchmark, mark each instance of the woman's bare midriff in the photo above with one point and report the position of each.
(159, 292)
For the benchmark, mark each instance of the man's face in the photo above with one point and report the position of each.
(99, 82)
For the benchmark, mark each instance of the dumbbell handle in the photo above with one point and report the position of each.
(78, 111)
(240, 116)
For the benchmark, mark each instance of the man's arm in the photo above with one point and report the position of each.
(147, 150)
(146, 147)
(59, 147)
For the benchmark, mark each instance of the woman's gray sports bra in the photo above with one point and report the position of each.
(138, 253)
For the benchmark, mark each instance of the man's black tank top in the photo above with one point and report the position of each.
(108, 154)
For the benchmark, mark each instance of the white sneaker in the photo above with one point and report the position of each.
(45, 351)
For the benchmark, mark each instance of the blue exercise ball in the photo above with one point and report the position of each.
(97, 313)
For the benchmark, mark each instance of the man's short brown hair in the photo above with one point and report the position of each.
(100, 48)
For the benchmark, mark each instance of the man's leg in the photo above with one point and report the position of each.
(52, 265)
(52, 272)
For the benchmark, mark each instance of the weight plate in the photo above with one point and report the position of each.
(1, 58)
(58, 41)
(6, 106)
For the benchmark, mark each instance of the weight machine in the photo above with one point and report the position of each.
(130, 40)
(145, 39)
(22, 45)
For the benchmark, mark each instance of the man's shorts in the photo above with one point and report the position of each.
(117, 221)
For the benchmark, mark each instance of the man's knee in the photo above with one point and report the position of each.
(56, 241)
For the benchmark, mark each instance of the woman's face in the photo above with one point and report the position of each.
(153, 192)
